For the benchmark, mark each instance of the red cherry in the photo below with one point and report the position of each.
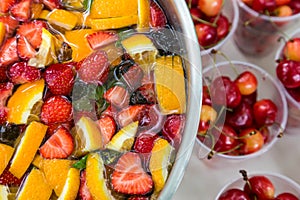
(250, 99)
(210, 7)
(262, 5)
(207, 34)
(282, 2)
(196, 14)
(295, 5)
(260, 186)
(206, 100)
(225, 92)
(265, 112)
(223, 26)
(144, 142)
(286, 196)
(246, 82)
(193, 3)
(291, 50)
(234, 194)
(252, 140)
(288, 72)
(226, 140)
(208, 116)
(295, 93)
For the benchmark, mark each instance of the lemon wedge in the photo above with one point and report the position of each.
(112, 23)
(6, 153)
(95, 178)
(4, 191)
(170, 84)
(159, 163)
(72, 184)
(124, 138)
(35, 187)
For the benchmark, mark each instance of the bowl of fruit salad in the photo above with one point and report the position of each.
(244, 112)
(97, 98)
(261, 23)
(260, 185)
(215, 22)
(288, 63)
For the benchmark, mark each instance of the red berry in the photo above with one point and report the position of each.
(108, 127)
(10, 23)
(6, 90)
(252, 140)
(21, 11)
(7, 178)
(173, 127)
(3, 115)
(24, 48)
(101, 39)
(144, 142)
(84, 192)
(117, 96)
(157, 16)
(286, 196)
(210, 7)
(6, 5)
(8, 52)
(20, 73)
(246, 82)
(207, 34)
(225, 137)
(234, 194)
(260, 186)
(288, 72)
(265, 112)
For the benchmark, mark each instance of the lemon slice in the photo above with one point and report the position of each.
(71, 187)
(2, 32)
(112, 23)
(23, 100)
(4, 191)
(47, 51)
(35, 187)
(6, 153)
(170, 85)
(95, 178)
(88, 136)
(159, 163)
(27, 148)
(143, 15)
(124, 138)
(62, 18)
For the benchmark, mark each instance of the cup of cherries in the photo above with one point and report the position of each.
(215, 22)
(261, 185)
(244, 111)
(288, 72)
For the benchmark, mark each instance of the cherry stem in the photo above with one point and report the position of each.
(190, 4)
(212, 152)
(213, 51)
(204, 21)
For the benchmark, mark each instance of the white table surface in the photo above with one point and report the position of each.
(204, 179)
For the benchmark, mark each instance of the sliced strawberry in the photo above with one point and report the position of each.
(94, 68)
(84, 192)
(8, 52)
(21, 11)
(157, 16)
(129, 176)
(118, 96)
(11, 25)
(20, 73)
(60, 78)
(133, 77)
(24, 49)
(144, 95)
(3, 115)
(128, 115)
(32, 31)
(5, 5)
(56, 109)
(144, 142)
(53, 127)
(108, 127)
(7, 178)
(101, 39)
(173, 128)
(3, 76)
(59, 145)
(6, 90)
(52, 4)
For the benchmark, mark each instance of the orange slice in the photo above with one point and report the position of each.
(35, 187)
(143, 15)
(6, 153)
(55, 170)
(2, 32)
(112, 23)
(62, 18)
(23, 100)
(71, 187)
(44, 14)
(170, 84)
(27, 148)
(80, 47)
(95, 178)
(160, 162)
(113, 8)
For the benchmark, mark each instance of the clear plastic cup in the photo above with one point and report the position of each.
(293, 123)
(281, 183)
(268, 87)
(231, 11)
(257, 34)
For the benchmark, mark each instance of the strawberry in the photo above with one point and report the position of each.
(60, 78)
(8, 52)
(3, 76)
(59, 145)
(118, 96)
(7, 178)
(173, 128)
(5, 5)
(21, 11)
(56, 109)
(52, 4)
(138, 198)
(157, 16)
(54, 126)
(11, 25)
(24, 49)
(6, 90)
(32, 31)
(3, 115)
(144, 142)
(128, 115)
(129, 176)
(144, 95)
(101, 39)
(20, 73)
(107, 127)
(133, 77)
(84, 192)
(94, 68)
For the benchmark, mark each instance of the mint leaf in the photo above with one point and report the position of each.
(81, 164)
